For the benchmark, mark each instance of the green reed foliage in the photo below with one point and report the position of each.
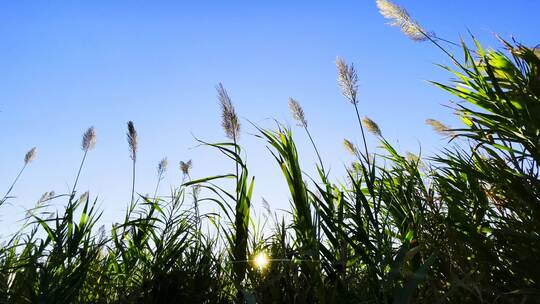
(461, 226)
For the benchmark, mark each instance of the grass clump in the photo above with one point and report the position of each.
(461, 226)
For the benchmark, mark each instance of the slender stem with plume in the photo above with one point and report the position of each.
(399, 17)
(297, 112)
(298, 115)
(28, 158)
(88, 143)
(348, 81)
(161, 169)
(242, 197)
(230, 121)
(363, 134)
(133, 145)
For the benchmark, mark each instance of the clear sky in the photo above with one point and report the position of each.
(67, 65)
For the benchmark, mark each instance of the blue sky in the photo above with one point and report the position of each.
(67, 65)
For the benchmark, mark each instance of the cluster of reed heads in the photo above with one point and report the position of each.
(460, 226)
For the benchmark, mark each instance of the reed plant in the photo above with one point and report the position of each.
(458, 226)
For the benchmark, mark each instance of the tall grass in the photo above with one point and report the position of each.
(460, 226)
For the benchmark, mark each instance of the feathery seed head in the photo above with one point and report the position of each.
(439, 127)
(399, 17)
(297, 113)
(132, 140)
(266, 206)
(185, 166)
(413, 158)
(350, 147)
(30, 156)
(84, 196)
(89, 139)
(162, 166)
(347, 80)
(230, 121)
(371, 126)
(46, 196)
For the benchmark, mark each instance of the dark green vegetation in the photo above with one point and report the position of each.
(461, 227)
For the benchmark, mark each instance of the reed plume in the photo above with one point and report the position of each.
(28, 158)
(185, 167)
(412, 157)
(46, 196)
(162, 167)
(439, 127)
(347, 80)
(266, 206)
(371, 126)
(350, 147)
(133, 142)
(89, 139)
(88, 143)
(230, 121)
(415, 159)
(297, 113)
(400, 18)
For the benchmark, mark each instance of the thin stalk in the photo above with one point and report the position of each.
(315, 148)
(236, 164)
(443, 49)
(78, 175)
(363, 134)
(13, 184)
(239, 295)
(133, 182)
(317, 211)
(157, 186)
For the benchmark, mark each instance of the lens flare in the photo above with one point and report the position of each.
(261, 260)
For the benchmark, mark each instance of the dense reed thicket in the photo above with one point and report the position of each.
(462, 226)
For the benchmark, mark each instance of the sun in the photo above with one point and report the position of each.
(261, 260)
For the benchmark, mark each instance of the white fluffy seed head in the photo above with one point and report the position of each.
(400, 18)
(297, 113)
(347, 80)
(230, 121)
(89, 139)
(30, 155)
(162, 166)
